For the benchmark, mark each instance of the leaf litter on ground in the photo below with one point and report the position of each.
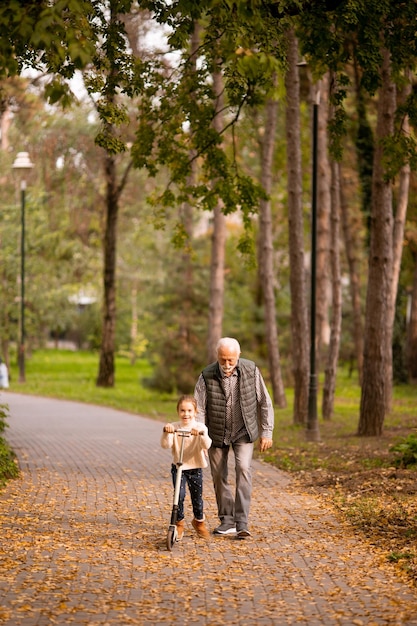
(360, 479)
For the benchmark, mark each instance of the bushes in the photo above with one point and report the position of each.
(8, 465)
(406, 451)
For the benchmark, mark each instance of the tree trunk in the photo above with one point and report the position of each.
(412, 330)
(106, 371)
(266, 256)
(134, 323)
(336, 320)
(106, 366)
(323, 225)
(5, 122)
(216, 302)
(350, 235)
(185, 330)
(398, 235)
(5, 318)
(365, 149)
(378, 349)
(299, 316)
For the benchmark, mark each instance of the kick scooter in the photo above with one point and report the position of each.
(172, 530)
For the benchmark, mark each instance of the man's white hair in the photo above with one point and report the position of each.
(230, 343)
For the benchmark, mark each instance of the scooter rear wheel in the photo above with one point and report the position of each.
(171, 537)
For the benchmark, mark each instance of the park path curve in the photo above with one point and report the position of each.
(83, 538)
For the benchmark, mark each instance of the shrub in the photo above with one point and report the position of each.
(3, 416)
(8, 466)
(406, 451)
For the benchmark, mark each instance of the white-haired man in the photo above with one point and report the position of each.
(234, 403)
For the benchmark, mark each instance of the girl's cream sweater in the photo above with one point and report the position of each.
(195, 447)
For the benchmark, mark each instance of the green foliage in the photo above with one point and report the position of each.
(62, 238)
(8, 466)
(394, 557)
(109, 142)
(176, 127)
(4, 410)
(411, 108)
(84, 327)
(55, 35)
(112, 113)
(180, 238)
(399, 150)
(58, 91)
(337, 133)
(406, 451)
(179, 327)
(355, 33)
(364, 144)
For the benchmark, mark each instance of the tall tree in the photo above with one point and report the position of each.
(412, 328)
(378, 338)
(108, 78)
(218, 241)
(328, 42)
(185, 343)
(335, 272)
(399, 218)
(351, 227)
(106, 372)
(266, 253)
(336, 290)
(299, 315)
(324, 183)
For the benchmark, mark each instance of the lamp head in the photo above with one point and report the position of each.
(22, 162)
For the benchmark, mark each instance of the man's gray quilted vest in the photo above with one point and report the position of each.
(216, 401)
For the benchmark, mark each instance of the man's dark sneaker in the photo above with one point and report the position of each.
(225, 529)
(243, 534)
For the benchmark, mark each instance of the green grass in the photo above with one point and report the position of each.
(72, 375)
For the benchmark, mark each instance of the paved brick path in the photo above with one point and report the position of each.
(83, 538)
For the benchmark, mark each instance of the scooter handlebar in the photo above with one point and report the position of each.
(185, 433)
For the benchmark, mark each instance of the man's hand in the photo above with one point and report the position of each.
(265, 444)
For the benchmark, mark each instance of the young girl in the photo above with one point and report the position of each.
(194, 459)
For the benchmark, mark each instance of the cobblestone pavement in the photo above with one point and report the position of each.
(84, 538)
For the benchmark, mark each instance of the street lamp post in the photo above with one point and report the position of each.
(22, 164)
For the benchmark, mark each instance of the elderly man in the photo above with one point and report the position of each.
(234, 403)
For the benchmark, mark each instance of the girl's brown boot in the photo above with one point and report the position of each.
(180, 529)
(201, 529)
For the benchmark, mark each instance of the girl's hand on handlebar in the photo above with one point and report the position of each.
(195, 431)
(168, 428)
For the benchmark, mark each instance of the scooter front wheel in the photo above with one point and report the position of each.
(171, 537)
